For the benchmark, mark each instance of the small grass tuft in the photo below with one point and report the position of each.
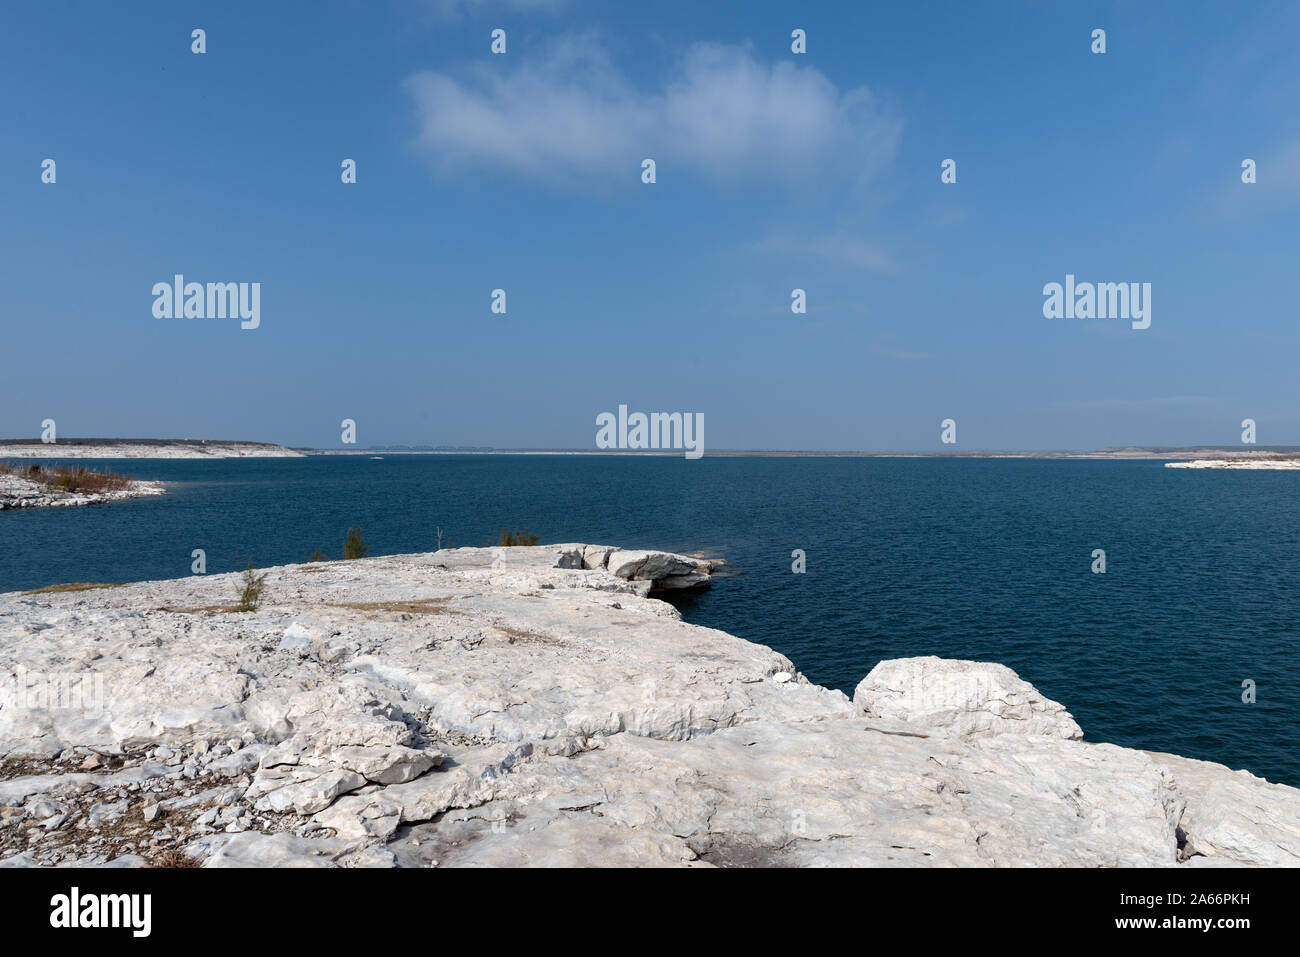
(173, 857)
(250, 594)
(414, 606)
(354, 546)
(201, 609)
(72, 586)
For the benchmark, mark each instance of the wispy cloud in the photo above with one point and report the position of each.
(456, 9)
(572, 116)
(842, 250)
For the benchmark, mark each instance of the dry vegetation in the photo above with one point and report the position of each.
(417, 606)
(201, 609)
(517, 537)
(354, 546)
(161, 841)
(64, 478)
(516, 635)
(173, 857)
(71, 586)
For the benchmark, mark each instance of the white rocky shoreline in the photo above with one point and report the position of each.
(534, 706)
(18, 492)
(144, 449)
(1237, 463)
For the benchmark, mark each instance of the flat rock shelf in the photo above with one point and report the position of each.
(538, 706)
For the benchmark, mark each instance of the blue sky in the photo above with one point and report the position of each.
(819, 171)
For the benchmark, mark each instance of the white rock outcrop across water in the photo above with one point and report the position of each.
(529, 706)
(1282, 464)
(143, 449)
(19, 492)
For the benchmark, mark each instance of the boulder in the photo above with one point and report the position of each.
(969, 698)
(665, 570)
(385, 765)
(1244, 820)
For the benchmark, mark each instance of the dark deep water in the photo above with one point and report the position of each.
(963, 558)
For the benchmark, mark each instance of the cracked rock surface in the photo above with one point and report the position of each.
(533, 706)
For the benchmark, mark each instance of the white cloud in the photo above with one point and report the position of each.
(573, 116)
(838, 249)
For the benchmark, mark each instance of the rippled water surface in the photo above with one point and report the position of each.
(963, 558)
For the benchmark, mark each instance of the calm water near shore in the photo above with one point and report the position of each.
(974, 558)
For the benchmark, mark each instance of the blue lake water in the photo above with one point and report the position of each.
(987, 559)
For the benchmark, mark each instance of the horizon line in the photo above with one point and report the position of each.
(1111, 451)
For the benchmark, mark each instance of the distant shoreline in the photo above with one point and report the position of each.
(141, 449)
(1249, 464)
(1153, 454)
(1212, 456)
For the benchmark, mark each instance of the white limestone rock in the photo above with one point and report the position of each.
(144, 449)
(362, 815)
(462, 710)
(299, 640)
(666, 570)
(252, 849)
(1228, 812)
(570, 556)
(302, 790)
(1233, 814)
(19, 492)
(394, 764)
(973, 698)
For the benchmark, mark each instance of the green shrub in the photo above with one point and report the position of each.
(317, 556)
(354, 546)
(517, 537)
(250, 595)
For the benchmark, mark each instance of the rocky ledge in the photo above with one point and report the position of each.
(1237, 463)
(533, 706)
(18, 492)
